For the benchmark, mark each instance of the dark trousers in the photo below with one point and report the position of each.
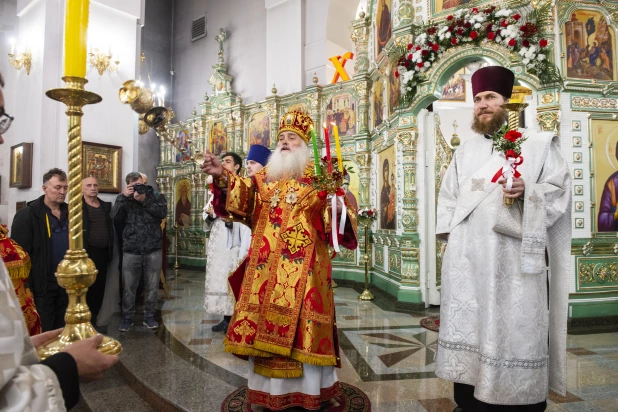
(464, 398)
(133, 268)
(139, 294)
(96, 292)
(52, 305)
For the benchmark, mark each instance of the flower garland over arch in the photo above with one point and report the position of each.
(478, 26)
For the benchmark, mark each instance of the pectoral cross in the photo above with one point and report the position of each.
(274, 200)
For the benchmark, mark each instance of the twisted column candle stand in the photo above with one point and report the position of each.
(366, 295)
(76, 272)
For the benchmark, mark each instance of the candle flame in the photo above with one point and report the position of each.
(324, 125)
(333, 123)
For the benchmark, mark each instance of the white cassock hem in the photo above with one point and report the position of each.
(318, 384)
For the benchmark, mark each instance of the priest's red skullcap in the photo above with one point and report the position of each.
(493, 79)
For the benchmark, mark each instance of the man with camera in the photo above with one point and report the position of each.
(142, 208)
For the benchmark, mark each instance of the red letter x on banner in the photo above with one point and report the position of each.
(339, 64)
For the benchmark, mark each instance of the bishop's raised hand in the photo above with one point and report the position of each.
(212, 165)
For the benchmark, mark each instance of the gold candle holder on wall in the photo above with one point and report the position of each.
(76, 273)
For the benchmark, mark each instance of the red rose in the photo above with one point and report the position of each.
(420, 64)
(491, 35)
(449, 18)
(396, 73)
(450, 28)
(409, 56)
(504, 23)
(512, 135)
(454, 41)
(460, 31)
(418, 48)
(408, 64)
(489, 27)
(410, 46)
(543, 43)
(370, 212)
(528, 29)
(432, 30)
(473, 34)
(511, 153)
(516, 17)
(435, 47)
(425, 52)
(475, 10)
(512, 42)
(525, 43)
(467, 25)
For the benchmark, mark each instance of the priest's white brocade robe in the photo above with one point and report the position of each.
(25, 384)
(225, 250)
(496, 331)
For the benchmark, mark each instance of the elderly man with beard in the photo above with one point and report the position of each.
(498, 341)
(284, 318)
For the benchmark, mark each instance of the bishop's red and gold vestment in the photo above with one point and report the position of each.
(285, 313)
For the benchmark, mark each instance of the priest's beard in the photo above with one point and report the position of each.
(492, 125)
(287, 164)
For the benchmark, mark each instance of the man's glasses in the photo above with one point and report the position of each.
(5, 122)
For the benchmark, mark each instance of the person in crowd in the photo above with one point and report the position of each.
(142, 209)
(42, 230)
(498, 342)
(257, 158)
(98, 241)
(284, 319)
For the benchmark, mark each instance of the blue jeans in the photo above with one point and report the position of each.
(132, 268)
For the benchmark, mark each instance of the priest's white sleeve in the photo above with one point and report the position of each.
(24, 383)
(447, 201)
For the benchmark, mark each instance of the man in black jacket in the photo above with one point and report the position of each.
(42, 229)
(98, 241)
(143, 209)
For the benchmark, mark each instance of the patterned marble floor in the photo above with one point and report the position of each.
(388, 355)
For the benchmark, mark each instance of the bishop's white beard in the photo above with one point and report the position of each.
(287, 164)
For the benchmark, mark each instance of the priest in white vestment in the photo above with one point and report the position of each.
(505, 270)
(227, 247)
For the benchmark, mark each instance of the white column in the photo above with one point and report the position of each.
(284, 46)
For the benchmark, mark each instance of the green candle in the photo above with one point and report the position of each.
(316, 155)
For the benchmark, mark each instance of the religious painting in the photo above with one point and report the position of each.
(299, 107)
(604, 138)
(259, 129)
(182, 199)
(388, 189)
(353, 184)
(105, 163)
(383, 25)
(455, 88)
(590, 45)
(218, 139)
(378, 103)
(20, 175)
(393, 90)
(182, 141)
(341, 112)
(443, 5)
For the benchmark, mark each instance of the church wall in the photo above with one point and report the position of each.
(245, 50)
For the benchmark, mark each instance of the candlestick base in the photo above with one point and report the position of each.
(366, 295)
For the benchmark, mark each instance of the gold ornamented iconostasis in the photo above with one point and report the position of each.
(399, 149)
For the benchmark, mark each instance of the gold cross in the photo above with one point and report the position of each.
(244, 329)
(296, 237)
(291, 197)
(274, 200)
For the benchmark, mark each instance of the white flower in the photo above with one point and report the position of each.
(504, 33)
(427, 64)
(448, 35)
(441, 37)
(504, 13)
(477, 26)
(523, 51)
(525, 61)
(430, 58)
(407, 76)
(498, 39)
(532, 48)
(540, 57)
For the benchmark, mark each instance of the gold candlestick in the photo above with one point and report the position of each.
(366, 295)
(76, 272)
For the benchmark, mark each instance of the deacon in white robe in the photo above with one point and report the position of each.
(227, 246)
(503, 310)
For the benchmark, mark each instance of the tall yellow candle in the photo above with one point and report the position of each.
(338, 147)
(75, 32)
